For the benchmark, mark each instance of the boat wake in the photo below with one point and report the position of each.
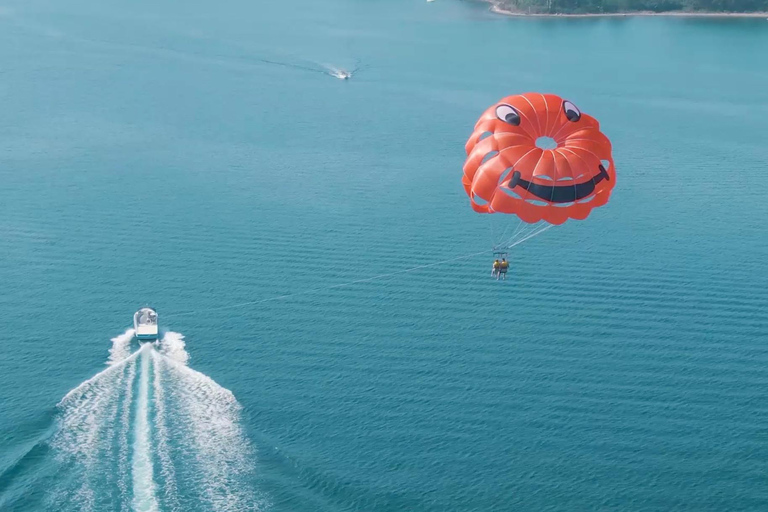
(313, 67)
(149, 433)
(121, 347)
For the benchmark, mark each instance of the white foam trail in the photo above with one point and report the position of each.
(161, 430)
(113, 476)
(113, 431)
(143, 481)
(121, 347)
(95, 381)
(125, 422)
(172, 346)
(85, 427)
(213, 435)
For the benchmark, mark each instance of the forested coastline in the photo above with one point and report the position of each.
(629, 6)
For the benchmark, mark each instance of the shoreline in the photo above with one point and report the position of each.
(499, 8)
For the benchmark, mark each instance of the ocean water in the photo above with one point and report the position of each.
(204, 160)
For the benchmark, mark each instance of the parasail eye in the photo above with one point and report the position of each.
(571, 111)
(508, 114)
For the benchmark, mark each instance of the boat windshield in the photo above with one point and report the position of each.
(148, 317)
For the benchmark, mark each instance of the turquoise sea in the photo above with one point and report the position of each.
(201, 158)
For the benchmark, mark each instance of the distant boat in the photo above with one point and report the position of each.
(341, 74)
(145, 324)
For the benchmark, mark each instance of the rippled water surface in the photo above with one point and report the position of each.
(202, 157)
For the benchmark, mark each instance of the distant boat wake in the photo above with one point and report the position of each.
(335, 72)
(313, 67)
(245, 57)
(148, 434)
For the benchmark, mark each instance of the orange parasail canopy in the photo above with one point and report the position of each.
(539, 157)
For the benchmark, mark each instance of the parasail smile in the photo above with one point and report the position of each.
(559, 193)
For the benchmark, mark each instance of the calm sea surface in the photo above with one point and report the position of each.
(198, 156)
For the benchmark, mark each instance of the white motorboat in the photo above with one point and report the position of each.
(145, 324)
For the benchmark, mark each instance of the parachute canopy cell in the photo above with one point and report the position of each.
(539, 157)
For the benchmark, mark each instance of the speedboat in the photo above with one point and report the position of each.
(341, 74)
(145, 324)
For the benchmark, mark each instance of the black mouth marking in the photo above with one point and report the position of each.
(559, 193)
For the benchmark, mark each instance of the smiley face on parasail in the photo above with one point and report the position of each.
(537, 156)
